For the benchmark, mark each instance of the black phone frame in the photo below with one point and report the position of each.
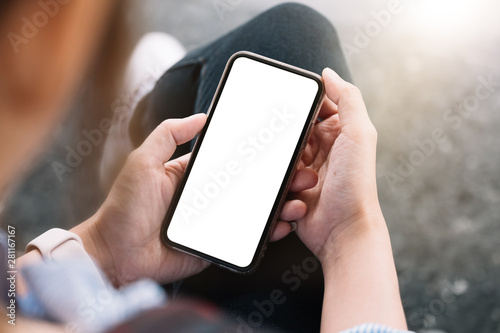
(281, 196)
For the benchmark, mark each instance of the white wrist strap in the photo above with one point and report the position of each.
(58, 244)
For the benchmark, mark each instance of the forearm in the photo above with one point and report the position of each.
(95, 246)
(361, 283)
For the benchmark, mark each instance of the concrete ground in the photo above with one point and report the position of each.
(430, 76)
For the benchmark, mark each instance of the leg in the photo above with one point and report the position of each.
(154, 54)
(293, 34)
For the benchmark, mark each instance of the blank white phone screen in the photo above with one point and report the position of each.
(242, 161)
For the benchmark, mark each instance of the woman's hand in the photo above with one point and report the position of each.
(124, 235)
(341, 150)
(344, 225)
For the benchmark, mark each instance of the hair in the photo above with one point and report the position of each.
(85, 43)
(106, 73)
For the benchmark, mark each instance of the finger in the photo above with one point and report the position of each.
(182, 161)
(311, 149)
(281, 230)
(328, 108)
(175, 168)
(293, 210)
(351, 108)
(163, 141)
(304, 179)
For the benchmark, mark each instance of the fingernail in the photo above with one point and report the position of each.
(293, 225)
(330, 72)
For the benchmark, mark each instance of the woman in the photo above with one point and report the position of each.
(334, 200)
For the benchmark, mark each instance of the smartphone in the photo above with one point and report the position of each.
(243, 160)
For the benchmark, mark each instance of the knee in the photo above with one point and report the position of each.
(302, 18)
(294, 9)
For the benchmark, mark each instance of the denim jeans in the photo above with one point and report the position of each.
(297, 35)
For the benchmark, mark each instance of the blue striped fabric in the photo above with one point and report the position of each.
(373, 328)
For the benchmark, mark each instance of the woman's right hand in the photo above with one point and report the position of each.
(341, 150)
(344, 226)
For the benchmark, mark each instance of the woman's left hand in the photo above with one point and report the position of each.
(124, 235)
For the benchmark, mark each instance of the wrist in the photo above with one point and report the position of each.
(95, 245)
(361, 283)
(366, 230)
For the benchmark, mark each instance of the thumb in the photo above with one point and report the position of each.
(163, 141)
(351, 108)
